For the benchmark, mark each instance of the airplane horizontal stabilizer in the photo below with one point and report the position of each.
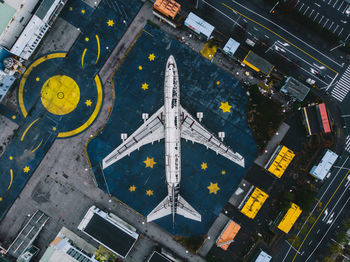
(163, 209)
(186, 210)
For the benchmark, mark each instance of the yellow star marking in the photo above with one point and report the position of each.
(213, 188)
(11, 157)
(151, 57)
(140, 67)
(70, 8)
(13, 117)
(37, 79)
(132, 188)
(149, 192)
(54, 128)
(87, 39)
(225, 107)
(150, 162)
(223, 172)
(204, 166)
(144, 86)
(26, 169)
(88, 102)
(110, 22)
(218, 82)
(82, 11)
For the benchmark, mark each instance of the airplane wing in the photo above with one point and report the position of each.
(150, 131)
(192, 130)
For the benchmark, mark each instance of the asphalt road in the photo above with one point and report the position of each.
(310, 60)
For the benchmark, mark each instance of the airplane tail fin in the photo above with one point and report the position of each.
(164, 209)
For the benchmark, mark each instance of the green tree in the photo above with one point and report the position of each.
(341, 237)
(335, 248)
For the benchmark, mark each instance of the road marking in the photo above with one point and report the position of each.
(342, 88)
(36, 148)
(311, 12)
(321, 214)
(306, 10)
(317, 4)
(301, 7)
(98, 48)
(82, 58)
(324, 235)
(329, 1)
(320, 20)
(310, 242)
(335, 3)
(345, 9)
(315, 16)
(11, 179)
(340, 31)
(281, 36)
(340, 5)
(326, 22)
(331, 26)
(317, 204)
(318, 231)
(26, 130)
(335, 29)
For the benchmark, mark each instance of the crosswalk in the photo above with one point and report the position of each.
(347, 143)
(342, 88)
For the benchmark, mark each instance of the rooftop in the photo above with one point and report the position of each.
(257, 63)
(167, 7)
(254, 203)
(198, 25)
(227, 235)
(281, 160)
(289, 218)
(322, 168)
(295, 88)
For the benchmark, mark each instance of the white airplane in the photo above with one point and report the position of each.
(172, 123)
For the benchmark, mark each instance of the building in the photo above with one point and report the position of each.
(161, 255)
(295, 89)
(257, 63)
(279, 161)
(109, 230)
(199, 26)
(27, 23)
(231, 47)
(316, 119)
(69, 247)
(227, 235)
(251, 206)
(321, 170)
(168, 11)
(262, 257)
(289, 218)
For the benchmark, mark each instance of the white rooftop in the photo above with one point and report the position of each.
(263, 257)
(320, 171)
(231, 46)
(198, 25)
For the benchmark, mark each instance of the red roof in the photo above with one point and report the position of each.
(324, 118)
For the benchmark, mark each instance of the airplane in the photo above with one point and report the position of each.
(171, 122)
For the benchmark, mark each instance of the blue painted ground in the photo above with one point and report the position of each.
(199, 93)
(29, 151)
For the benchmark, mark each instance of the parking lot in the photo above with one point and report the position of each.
(330, 14)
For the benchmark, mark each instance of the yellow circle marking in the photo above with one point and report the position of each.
(13, 117)
(93, 115)
(60, 95)
(26, 74)
(87, 39)
(37, 79)
(11, 157)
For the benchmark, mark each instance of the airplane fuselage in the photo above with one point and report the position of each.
(172, 131)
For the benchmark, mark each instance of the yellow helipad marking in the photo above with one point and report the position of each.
(11, 174)
(82, 58)
(132, 188)
(110, 22)
(37, 146)
(93, 115)
(149, 192)
(30, 125)
(26, 74)
(225, 107)
(213, 188)
(60, 95)
(98, 48)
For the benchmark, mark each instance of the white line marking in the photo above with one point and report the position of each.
(340, 5)
(331, 26)
(335, 29)
(335, 3)
(320, 20)
(316, 16)
(301, 7)
(311, 12)
(306, 10)
(340, 31)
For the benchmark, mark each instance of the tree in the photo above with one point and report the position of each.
(341, 237)
(335, 248)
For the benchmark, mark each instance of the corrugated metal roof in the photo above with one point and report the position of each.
(290, 218)
(228, 234)
(167, 7)
(263, 257)
(198, 25)
(324, 118)
(257, 63)
(231, 46)
(320, 171)
(254, 203)
(295, 89)
(281, 161)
